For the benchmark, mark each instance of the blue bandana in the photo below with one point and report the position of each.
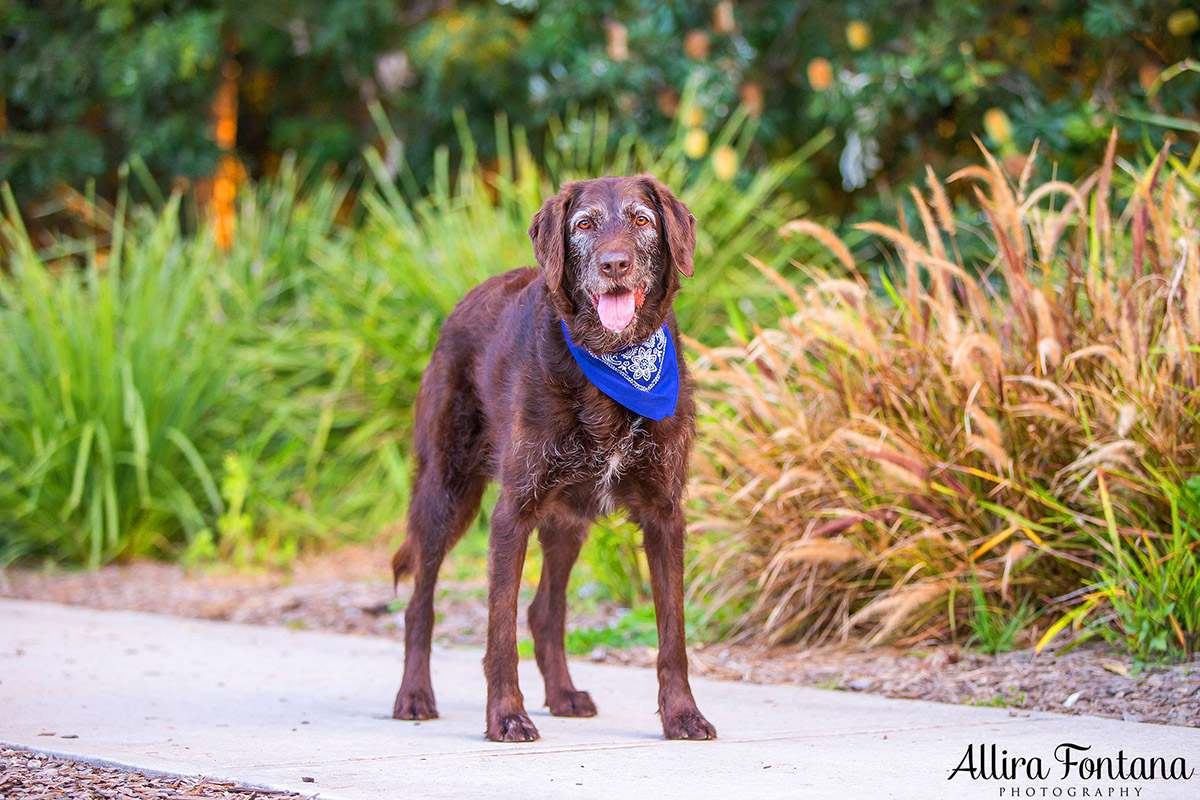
(642, 377)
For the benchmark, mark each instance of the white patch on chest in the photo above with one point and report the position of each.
(606, 480)
(614, 467)
(582, 459)
(624, 451)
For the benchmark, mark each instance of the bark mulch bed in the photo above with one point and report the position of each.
(348, 591)
(32, 776)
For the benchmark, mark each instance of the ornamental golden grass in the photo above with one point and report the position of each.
(893, 440)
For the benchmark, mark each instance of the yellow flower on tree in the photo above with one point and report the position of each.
(858, 35)
(695, 144)
(997, 126)
(725, 162)
(1183, 23)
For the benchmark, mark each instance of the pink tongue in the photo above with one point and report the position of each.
(616, 310)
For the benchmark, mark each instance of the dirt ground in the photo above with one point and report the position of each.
(348, 592)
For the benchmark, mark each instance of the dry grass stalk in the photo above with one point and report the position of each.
(861, 463)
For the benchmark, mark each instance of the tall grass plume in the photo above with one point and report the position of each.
(1012, 400)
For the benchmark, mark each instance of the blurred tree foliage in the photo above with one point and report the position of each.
(88, 83)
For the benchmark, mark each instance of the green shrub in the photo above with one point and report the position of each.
(994, 629)
(1151, 583)
(167, 398)
(114, 379)
(161, 397)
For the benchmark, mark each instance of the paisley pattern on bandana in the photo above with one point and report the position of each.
(643, 377)
(640, 364)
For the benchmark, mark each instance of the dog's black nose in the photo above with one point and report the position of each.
(615, 263)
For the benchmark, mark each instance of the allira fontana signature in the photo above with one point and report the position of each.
(989, 762)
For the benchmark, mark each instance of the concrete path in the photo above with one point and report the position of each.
(271, 707)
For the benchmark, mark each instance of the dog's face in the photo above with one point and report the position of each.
(610, 249)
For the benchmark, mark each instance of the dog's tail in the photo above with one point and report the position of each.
(402, 561)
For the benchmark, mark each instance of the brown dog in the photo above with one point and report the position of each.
(502, 398)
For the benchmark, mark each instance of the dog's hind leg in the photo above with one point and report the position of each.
(561, 539)
(438, 516)
(447, 489)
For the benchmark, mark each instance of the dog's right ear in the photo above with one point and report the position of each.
(550, 239)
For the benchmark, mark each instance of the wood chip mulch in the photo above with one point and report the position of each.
(32, 776)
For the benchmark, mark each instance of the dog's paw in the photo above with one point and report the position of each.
(515, 727)
(418, 704)
(688, 725)
(572, 704)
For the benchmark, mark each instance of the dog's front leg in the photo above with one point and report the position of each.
(506, 717)
(681, 719)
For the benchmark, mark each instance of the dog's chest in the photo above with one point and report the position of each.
(623, 456)
(588, 464)
(606, 457)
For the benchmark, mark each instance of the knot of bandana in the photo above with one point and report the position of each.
(642, 377)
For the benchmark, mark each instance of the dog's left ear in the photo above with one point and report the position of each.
(678, 224)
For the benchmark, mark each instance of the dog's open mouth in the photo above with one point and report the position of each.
(617, 308)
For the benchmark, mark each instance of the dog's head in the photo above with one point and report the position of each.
(610, 249)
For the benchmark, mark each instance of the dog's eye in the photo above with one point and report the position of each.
(640, 220)
(584, 224)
